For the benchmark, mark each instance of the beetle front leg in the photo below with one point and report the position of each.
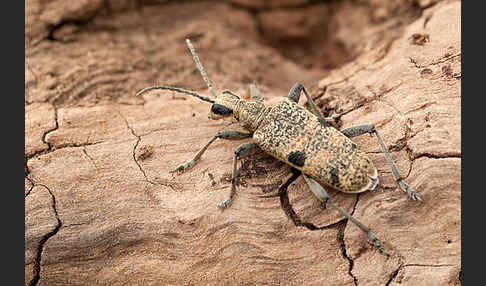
(224, 134)
(321, 193)
(240, 151)
(363, 129)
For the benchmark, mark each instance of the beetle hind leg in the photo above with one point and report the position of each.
(363, 129)
(287, 207)
(321, 193)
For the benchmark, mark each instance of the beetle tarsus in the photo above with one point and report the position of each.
(225, 203)
(411, 192)
(335, 114)
(377, 243)
(184, 166)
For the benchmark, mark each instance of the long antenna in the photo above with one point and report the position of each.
(175, 89)
(203, 74)
(200, 67)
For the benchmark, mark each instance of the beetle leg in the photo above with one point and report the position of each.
(319, 191)
(287, 207)
(335, 114)
(240, 151)
(294, 95)
(224, 134)
(363, 129)
(255, 92)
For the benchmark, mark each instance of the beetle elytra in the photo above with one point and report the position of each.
(298, 137)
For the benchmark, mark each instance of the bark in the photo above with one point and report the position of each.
(101, 207)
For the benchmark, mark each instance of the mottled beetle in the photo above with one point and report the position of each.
(302, 139)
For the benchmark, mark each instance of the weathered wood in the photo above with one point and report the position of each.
(102, 208)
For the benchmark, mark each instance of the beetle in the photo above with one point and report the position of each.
(301, 138)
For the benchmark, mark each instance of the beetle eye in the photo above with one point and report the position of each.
(221, 110)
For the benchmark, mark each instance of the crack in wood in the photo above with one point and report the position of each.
(344, 252)
(436, 62)
(339, 225)
(43, 241)
(394, 274)
(139, 138)
(444, 155)
(49, 146)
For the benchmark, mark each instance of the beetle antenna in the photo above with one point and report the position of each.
(200, 67)
(195, 94)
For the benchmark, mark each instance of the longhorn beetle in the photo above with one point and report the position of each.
(300, 138)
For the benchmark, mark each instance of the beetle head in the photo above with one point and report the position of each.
(224, 105)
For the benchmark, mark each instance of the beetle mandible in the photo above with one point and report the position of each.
(300, 138)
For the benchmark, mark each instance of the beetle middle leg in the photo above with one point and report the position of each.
(240, 151)
(255, 92)
(321, 193)
(363, 129)
(224, 134)
(294, 95)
